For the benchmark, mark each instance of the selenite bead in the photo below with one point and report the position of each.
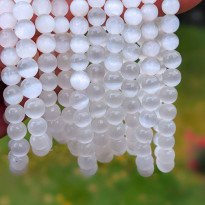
(98, 3)
(18, 165)
(96, 54)
(150, 66)
(45, 23)
(168, 95)
(148, 119)
(150, 48)
(169, 41)
(89, 172)
(114, 99)
(82, 118)
(101, 139)
(56, 127)
(165, 155)
(146, 173)
(49, 98)
(115, 25)
(64, 80)
(96, 16)
(103, 154)
(7, 38)
(144, 163)
(171, 77)
(86, 149)
(131, 3)
(114, 116)
(79, 44)
(63, 61)
(167, 111)
(131, 105)
(149, 12)
(62, 24)
(169, 23)
(113, 80)
(49, 81)
(130, 70)
(113, 8)
(170, 6)
(87, 162)
(79, 62)
(37, 126)
(97, 110)
(116, 132)
(63, 97)
(99, 125)
(31, 87)
(34, 108)
(7, 20)
(79, 8)
(150, 102)
(27, 67)
(172, 59)
(131, 52)
(150, 84)
(39, 142)
(62, 43)
(26, 48)
(6, 6)
(131, 34)
(28, 1)
(149, 30)
(71, 132)
(113, 62)
(10, 76)
(67, 115)
(133, 16)
(12, 95)
(144, 135)
(52, 113)
(118, 146)
(79, 100)
(97, 35)
(95, 92)
(14, 114)
(165, 167)
(46, 43)
(42, 152)
(132, 120)
(79, 25)
(166, 143)
(73, 147)
(167, 128)
(41, 7)
(59, 7)
(115, 43)
(149, 1)
(22, 10)
(20, 148)
(96, 73)
(47, 62)
(130, 88)
(143, 149)
(9, 56)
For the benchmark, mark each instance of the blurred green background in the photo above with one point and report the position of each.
(56, 179)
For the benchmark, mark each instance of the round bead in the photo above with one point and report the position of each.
(165, 155)
(62, 43)
(63, 61)
(41, 7)
(6, 6)
(131, 34)
(113, 62)
(86, 149)
(95, 92)
(64, 97)
(150, 48)
(79, 44)
(114, 116)
(7, 21)
(170, 6)
(62, 24)
(150, 102)
(29, 1)
(79, 62)
(79, 25)
(39, 142)
(79, 8)
(149, 12)
(167, 128)
(116, 132)
(8, 38)
(130, 88)
(47, 62)
(144, 135)
(130, 70)
(131, 3)
(99, 125)
(166, 142)
(25, 29)
(52, 113)
(96, 17)
(79, 100)
(131, 52)
(49, 98)
(59, 7)
(149, 30)
(37, 126)
(132, 120)
(64, 80)
(165, 167)
(113, 81)
(148, 119)
(96, 54)
(150, 66)
(115, 25)
(22, 10)
(171, 77)
(17, 131)
(97, 35)
(82, 118)
(87, 162)
(115, 43)
(97, 110)
(172, 59)
(79, 80)
(167, 111)
(131, 105)
(9, 56)
(100, 139)
(114, 99)
(118, 146)
(133, 16)
(169, 24)
(150, 84)
(169, 41)
(98, 3)
(168, 95)
(49, 81)
(67, 115)
(20, 148)
(113, 8)
(96, 73)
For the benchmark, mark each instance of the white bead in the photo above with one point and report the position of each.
(62, 24)
(46, 43)
(7, 20)
(96, 73)
(9, 56)
(131, 34)
(150, 102)
(150, 66)
(130, 88)
(63, 61)
(171, 77)
(87, 162)
(131, 106)
(17, 131)
(79, 80)
(27, 67)
(31, 87)
(148, 119)
(20, 148)
(167, 112)
(14, 114)
(115, 43)
(170, 6)
(115, 25)
(113, 81)
(10, 76)
(79, 100)
(144, 135)
(79, 25)
(97, 35)
(169, 41)
(67, 115)
(26, 48)
(169, 23)
(116, 132)
(95, 92)
(64, 79)
(8, 38)
(130, 70)
(37, 126)
(172, 59)
(167, 128)
(165, 167)
(47, 63)
(133, 16)
(149, 12)
(114, 116)
(6, 6)
(52, 113)
(45, 23)
(59, 7)
(79, 62)
(113, 8)
(22, 10)
(114, 99)
(97, 110)
(49, 81)
(100, 139)
(39, 142)
(149, 30)
(96, 3)
(64, 97)
(82, 118)
(131, 52)
(79, 8)
(28, 1)
(86, 149)
(166, 143)
(99, 125)
(62, 43)
(49, 98)
(96, 17)
(79, 44)
(113, 62)
(25, 29)
(168, 95)
(131, 3)
(150, 48)
(118, 146)
(149, 1)
(41, 7)
(96, 54)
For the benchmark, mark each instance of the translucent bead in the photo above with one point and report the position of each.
(18, 165)
(6, 6)
(115, 25)
(148, 119)
(130, 70)
(116, 132)
(42, 152)
(100, 139)
(8, 38)
(146, 173)
(132, 120)
(62, 43)
(96, 73)
(87, 162)
(143, 149)
(29, 1)
(149, 30)
(85, 135)
(103, 154)
(63, 97)
(86, 149)
(118, 146)
(96, 17)
(114, 99)
(20, 148)
(167, 128)
(63, 61)
(97, 110)
(82, 118)
(133, 16)
(165, 167)
(168, 95)
(98, 3)
(150, 66)
(171, 77)
(131, 34)
(170, 7)
(97, 35)
(7, 20)
(166, 143)
(149, 12)
(73, 147)
(79, 80)
(150, 84)
(22, 10)
(10, 76)
(169, 41)
(39, 142)
(144, 135)
(114, 116)
(89, 172)
(46, 43)
(59, 7)
(113, 81)
(131, 3)
(169, 23)
(131, 52)
(79, 62)
(47, 62)
(64, 79)
(49, 98)
(95, 92)
(149, 1)
(12, 95)
(9, 56)
(144, 163)
(27, 67)
(67, 115)
(71, 131)
(113, 8)
(113, 62)
(79, 8)
(79, 44)
(115, 43)
(172, 59)
(62, 24)
(167, 112)
(130, 88)
(99, 125)
(96, 54)
(37, 126)
(131, 105)
(41, 7)
(52, 113)
(150, 48)
(150, 102)
(56, 127)
(31, 87)
(49, 81)
(79, 25)
(166, 155)
(79, 100)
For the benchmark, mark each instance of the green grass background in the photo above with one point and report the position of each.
(56, 179)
